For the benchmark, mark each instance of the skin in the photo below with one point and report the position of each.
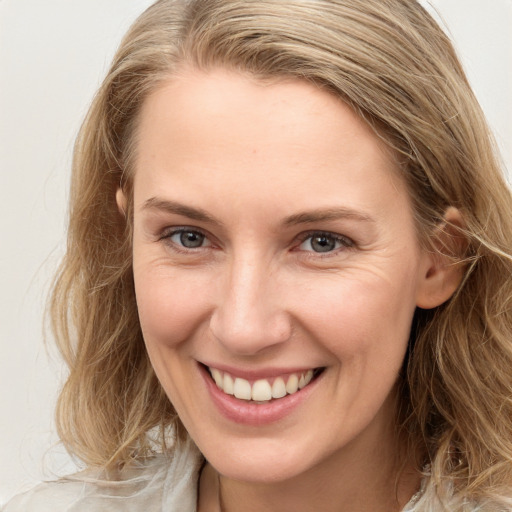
(255, 295)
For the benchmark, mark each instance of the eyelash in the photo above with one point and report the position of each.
(168, 234)
(341, 241)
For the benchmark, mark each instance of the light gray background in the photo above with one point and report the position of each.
(53, 55)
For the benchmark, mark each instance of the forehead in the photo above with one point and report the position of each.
(289, 140)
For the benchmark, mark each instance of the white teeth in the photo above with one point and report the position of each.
(228, 385)
(293, 384)
(305, 379)
(261, 390)
(278, 388)
(242, 389)
(217, 377)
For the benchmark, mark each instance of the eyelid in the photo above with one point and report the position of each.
(346, 242)
(167, 233)
(172, 230)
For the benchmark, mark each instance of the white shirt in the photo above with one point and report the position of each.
(168, 484)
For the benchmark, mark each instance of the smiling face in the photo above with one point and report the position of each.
(274, 251)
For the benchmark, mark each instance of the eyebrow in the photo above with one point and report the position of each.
(322, 215)
(307, 217)
(155, 203)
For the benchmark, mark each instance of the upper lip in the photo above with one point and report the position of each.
(258, 373)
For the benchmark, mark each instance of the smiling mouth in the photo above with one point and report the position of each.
(263, 390)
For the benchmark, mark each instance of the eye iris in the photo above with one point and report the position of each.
(323, 243)
(191, 239)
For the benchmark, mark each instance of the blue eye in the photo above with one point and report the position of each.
(189, 238)
(324, 242)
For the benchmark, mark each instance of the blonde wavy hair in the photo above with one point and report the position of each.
(396, 68)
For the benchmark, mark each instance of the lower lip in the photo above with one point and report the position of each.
(249, 413)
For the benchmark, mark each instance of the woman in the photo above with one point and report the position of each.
(288, 275)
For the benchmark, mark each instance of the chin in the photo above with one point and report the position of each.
(260, 461)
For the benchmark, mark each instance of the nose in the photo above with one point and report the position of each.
(250, 316)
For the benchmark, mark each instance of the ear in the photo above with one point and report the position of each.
(442, 267)
(121, 201)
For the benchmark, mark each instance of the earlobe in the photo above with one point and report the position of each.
(443, 266)
(121, 201)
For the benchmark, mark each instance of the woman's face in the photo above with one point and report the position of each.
(274, 251)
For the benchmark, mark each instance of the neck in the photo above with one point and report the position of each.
(362, 476)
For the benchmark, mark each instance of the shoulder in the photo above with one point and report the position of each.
(433, 499)
(47, 497)
(155, 484)
(91, 492)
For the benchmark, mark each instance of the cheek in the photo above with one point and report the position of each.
(363, 317)
(171, 306)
